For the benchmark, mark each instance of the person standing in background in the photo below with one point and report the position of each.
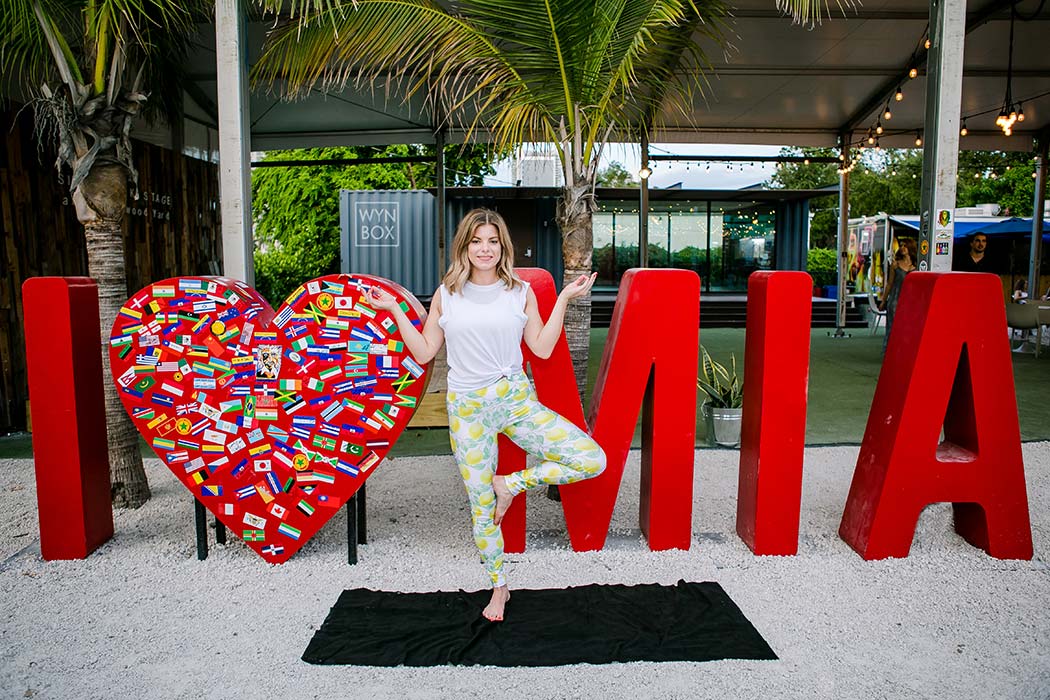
(904, 263)
(975, 260)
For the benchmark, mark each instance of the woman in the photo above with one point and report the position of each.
(904, 262)
(1020, 295)
(483, 311)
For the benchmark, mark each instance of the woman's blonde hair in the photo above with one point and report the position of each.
(459, 267)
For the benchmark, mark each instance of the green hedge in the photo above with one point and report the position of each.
(820, 263)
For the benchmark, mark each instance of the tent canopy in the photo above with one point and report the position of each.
(995, 227)
(778, 83)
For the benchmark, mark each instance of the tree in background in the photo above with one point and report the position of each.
(999, 177)
(296, 209)
(615, 175)
(87, 67)
(889, 181)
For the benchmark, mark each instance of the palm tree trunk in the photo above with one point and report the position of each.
(100, 202)
(577, 246)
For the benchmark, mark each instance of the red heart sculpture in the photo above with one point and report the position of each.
(272, 420)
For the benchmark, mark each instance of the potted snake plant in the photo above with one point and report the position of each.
(724, 397)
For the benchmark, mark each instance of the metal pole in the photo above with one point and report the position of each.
(643, 208)
(235, 192)
(940, 157)
(706, 286)
(200, 522)
(440, 177)
(351, 530)
(843, 238)
(1034, 292)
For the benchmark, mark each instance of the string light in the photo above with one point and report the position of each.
(1020, 112)
(887, 115)
(963, 131)
(927, 44)
(644, 173)
(878, 128)
(918, 138)
(899, 95)
(913, 72)
(1008, 114)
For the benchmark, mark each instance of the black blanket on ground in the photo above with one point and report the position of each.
(551, 627)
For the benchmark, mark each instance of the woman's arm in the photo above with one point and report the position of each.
(423, 346)
(541, 337)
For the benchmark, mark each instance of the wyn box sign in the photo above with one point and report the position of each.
(272, 420)
(377, 224)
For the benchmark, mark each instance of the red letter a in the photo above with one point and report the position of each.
(948, 356)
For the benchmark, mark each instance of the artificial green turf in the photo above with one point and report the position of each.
(842, 377)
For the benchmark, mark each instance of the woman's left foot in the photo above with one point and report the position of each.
(493, 612)
(503, 497)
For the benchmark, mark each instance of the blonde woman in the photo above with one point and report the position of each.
(483, 311)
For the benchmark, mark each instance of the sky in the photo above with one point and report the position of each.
(691, 175)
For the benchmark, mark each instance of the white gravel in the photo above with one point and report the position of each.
(142, 618)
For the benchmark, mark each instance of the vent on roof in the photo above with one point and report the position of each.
(978, 210)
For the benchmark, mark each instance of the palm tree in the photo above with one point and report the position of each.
(85, 66)
(565, 73)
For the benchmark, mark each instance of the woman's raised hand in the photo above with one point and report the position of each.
(580, 286)
(378, 299)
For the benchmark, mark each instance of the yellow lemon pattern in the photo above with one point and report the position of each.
(510, 406)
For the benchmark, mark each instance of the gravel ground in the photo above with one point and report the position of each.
(141, 617)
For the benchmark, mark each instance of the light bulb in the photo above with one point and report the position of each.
(927, 45)
(963, 131)
(899, 96)
(1020, 112)
(918, 140)
(644, 173)
(913, 72)
(871, 139)
(878, 129)
(887, 115)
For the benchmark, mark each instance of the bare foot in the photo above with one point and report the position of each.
(503, 497)
(494, 610)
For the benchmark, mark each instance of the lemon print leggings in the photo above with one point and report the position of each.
(509, 406)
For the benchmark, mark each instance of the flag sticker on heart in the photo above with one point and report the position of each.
(272, 420)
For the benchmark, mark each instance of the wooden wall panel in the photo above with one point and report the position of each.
(171, 229)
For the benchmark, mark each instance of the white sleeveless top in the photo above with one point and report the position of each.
(483, 326)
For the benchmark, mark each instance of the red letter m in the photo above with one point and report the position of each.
(649, 365)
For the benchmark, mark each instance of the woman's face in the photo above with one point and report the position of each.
(903, 256)
(484, 250)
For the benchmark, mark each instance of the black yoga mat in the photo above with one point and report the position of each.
(550, 627)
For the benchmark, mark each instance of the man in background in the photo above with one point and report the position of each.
(975, 260)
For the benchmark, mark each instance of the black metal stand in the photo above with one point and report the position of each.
(356, 524)
(356, 527)
(200, 521)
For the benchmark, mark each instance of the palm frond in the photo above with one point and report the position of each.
(810, 12)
